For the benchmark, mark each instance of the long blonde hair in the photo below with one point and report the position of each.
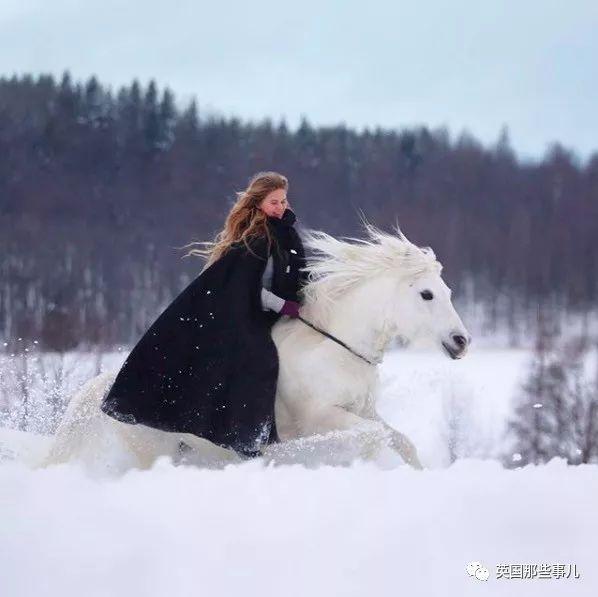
(245, 220)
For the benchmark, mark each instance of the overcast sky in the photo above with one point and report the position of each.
(463, 64)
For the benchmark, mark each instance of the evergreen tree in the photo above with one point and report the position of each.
(166, 121)
(152, 129)
(94, 109)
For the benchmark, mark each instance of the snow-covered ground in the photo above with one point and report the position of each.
(293, 530)
(249, 530)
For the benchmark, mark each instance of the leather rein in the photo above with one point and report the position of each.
(335, 339)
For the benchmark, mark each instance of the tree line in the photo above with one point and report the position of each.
(99, 188)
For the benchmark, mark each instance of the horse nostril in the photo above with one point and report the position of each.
(459, 340)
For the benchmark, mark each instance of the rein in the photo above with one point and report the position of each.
(334, 339)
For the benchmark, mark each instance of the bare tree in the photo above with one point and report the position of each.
(557, 414)
(457, 421)
(584, 412)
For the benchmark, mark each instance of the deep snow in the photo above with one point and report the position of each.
(250, 530)
(291, 530)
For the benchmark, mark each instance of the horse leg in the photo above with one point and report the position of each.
(401, 444)
(370, 435)
(203, 452)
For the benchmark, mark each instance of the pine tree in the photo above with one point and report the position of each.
(130, 116)
(94, 108)
(151, 118)
(166, 121)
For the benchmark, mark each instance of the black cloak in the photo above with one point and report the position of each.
(208, 364)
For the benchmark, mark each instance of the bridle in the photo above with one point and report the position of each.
(335, 339)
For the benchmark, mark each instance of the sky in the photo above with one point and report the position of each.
(461, 64)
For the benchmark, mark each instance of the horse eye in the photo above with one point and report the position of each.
(426, 295)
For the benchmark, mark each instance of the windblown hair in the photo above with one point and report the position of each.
(245, 220)
(336, 266)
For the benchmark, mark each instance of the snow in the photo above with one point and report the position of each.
(419, 386)
(290, 530)
(368, 528)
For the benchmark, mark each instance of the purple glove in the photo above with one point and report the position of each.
(290, 308)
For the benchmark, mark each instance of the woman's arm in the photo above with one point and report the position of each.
(271, 301)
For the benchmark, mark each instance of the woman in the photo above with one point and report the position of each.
(208, 364)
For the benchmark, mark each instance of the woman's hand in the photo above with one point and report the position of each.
(290, 308)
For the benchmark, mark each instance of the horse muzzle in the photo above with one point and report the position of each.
(458, 345)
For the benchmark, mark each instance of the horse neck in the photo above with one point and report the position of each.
(359, 318)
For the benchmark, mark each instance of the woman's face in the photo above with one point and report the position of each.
(274, 203)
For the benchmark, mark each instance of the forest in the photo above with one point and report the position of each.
(100, 189)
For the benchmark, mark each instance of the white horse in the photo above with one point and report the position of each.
(365, 293)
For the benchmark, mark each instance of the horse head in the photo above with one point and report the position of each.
(382, 287)
(423, 308)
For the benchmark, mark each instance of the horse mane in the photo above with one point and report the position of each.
(335, 266)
